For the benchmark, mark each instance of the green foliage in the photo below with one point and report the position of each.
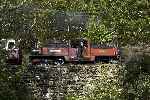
(129, 20)
(71, 98)
(115, 82)
(107, 85)
(11, 87)
(98, 32)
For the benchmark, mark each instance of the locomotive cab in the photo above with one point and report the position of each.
(82, 49)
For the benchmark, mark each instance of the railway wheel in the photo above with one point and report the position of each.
(113, 61)
(35, 61)
(59, 61)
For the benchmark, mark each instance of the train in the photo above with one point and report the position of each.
(77, 50)
(60, 52)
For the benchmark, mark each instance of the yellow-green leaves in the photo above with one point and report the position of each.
(97, 31)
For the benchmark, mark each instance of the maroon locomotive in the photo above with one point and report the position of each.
(79, 50)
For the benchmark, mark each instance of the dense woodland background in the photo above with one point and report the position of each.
(126, 23)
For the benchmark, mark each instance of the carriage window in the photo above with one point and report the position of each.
(62, 45)
(78, 43)
(74, 44)
(52, 45)
(57, 45)
(98, 45)
(11, 45)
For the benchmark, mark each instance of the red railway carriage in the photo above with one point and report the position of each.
(13, 53)
(75, 50)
